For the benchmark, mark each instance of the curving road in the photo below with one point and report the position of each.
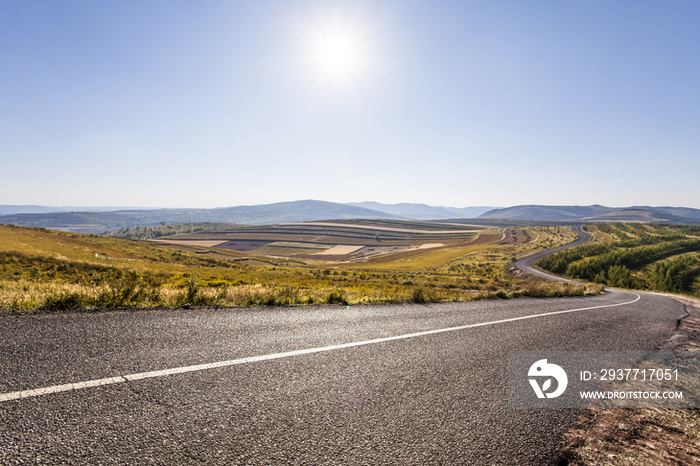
(390, 384)
(525, 264)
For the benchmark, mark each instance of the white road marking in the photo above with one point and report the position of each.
(267, 357)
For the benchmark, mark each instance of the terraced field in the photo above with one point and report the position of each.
(334, 241)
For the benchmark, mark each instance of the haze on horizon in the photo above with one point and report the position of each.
(223, 103)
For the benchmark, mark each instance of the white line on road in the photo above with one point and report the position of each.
(267, 357)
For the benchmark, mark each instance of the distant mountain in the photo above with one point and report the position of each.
(468, 212)
(40, 209)
(281, 212)
(676, 211)
(96, 221)
(641, 215)
(596, 213)
(25, 209)
(297, 211)
(543, 212)
(423, 211)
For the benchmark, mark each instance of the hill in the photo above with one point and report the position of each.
(543, 212)
(597, 213)
(639, 215)
(100, 221)
(40, 209)
(676, 211)
(423, 211)
(281, 212)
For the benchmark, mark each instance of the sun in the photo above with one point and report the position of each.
(337, 52)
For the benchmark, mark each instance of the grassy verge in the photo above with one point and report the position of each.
(136, 290)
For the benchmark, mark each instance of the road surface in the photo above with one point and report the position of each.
(390, 384)
(525, 264)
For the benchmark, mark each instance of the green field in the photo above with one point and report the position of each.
(402, 262)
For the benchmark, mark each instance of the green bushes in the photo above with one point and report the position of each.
(336, 297)
(633, 262)
(64, 302)
(625, 259)
(676, 275)
(419, 296)
(558, 263)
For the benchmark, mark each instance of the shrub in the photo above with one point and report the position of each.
(336, 297)
(63, 302)
(418, 296)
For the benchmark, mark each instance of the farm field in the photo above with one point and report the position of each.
(347, 262)
(336, 241)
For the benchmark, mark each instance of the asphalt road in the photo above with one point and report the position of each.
(438, 398)
(525, 264)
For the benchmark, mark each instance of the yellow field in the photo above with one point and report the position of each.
(425, 259)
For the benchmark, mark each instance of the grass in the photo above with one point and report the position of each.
(417, 259)
(50, 270)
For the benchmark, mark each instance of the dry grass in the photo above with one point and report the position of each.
(639, 437)
(599, 236)
(421, 258)
(27, 295)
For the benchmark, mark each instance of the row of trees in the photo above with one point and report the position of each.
(632, 258)
(615, 264)
(675, 275)
(558, 263)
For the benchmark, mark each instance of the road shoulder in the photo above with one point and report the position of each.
(657, 437)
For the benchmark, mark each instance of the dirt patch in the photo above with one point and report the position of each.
(659, 437)
(634, 437)
(204, 244)
(339, 250)
(515, 237)
(428, 246)
(287, 244)
(486, 238)
(372, 251)
(243, 246)
(321, 258)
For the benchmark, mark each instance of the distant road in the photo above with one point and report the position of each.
(315, 385)
(525, 264)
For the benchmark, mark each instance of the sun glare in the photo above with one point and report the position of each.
(337, 52)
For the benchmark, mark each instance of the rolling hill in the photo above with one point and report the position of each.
(423, 211)
(281, 212)
(596, 213)
(98, 221)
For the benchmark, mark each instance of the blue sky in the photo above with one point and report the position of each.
(219, 103)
